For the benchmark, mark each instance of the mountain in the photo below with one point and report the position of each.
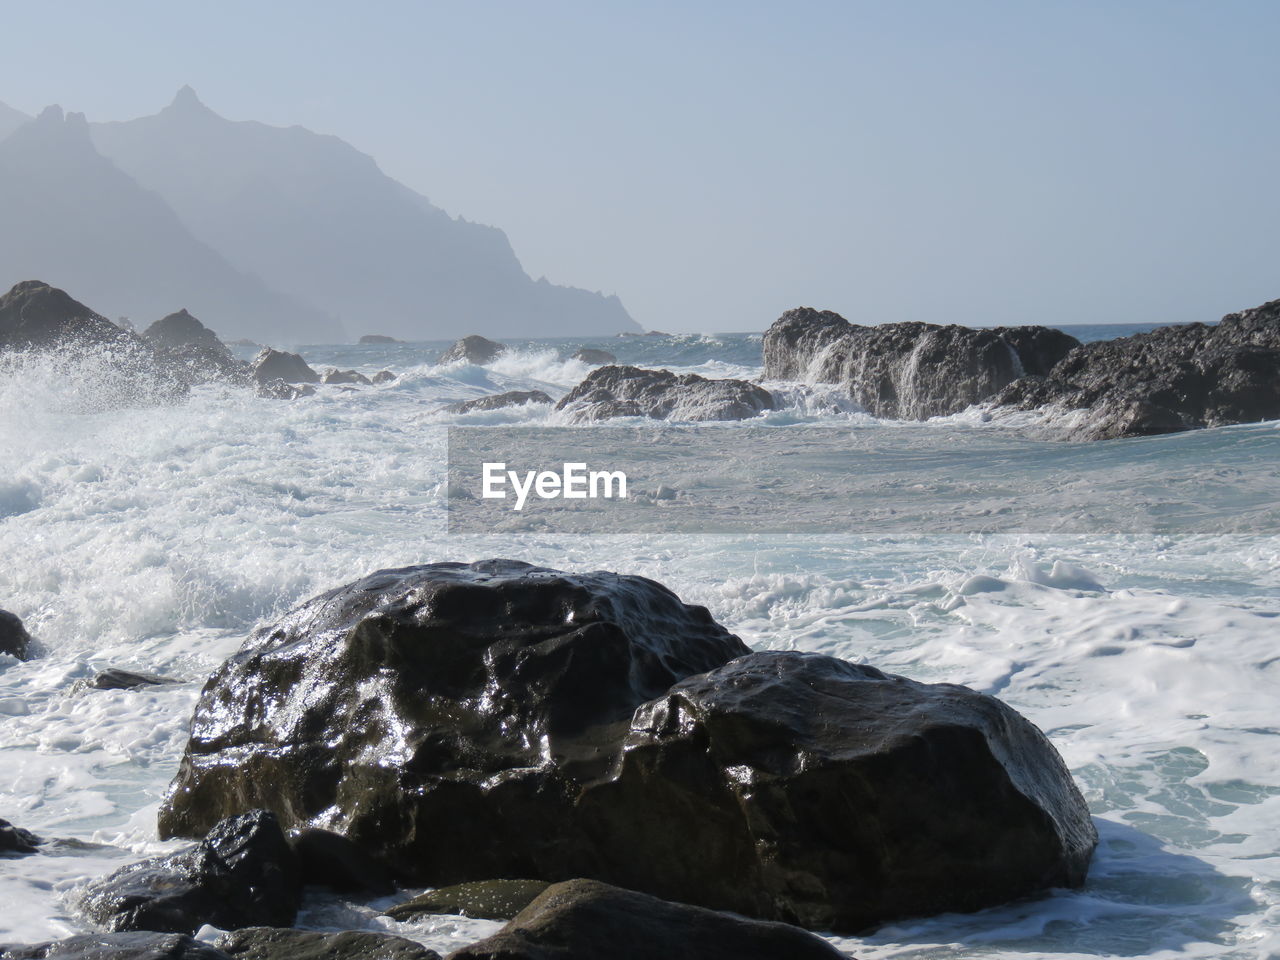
(320, 222)
(72, 217)
(10, 120)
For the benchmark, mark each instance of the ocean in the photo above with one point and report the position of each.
(153, 539)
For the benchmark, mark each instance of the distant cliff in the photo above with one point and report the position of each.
(319, 222)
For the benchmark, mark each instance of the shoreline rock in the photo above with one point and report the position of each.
(14, 841)
(280, 365)
(14, 639)
(496, 401)
(473, 349)
(625, 391)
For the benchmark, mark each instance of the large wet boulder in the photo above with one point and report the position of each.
(280, 365)
(14, 841)
(116, 946)
(473, 349)
(329, 859)
(194, 351)
(1173, 378)
(908, 371)
(623, 391)
(496, 401)
(14, 639)
(243, 873)
(36, 316)
(589, 920)
(462, 722)
(276, 943)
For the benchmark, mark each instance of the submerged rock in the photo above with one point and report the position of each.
(383, 376)
(114, 679)
(277, 389)
(278, 365)
(620, 391)
(14, 639)
(480, 899)
(592, 355)
(908, 371)
(463, 722)
(473, 349)
(194, 351)
(378, 338)
(1173, 378)
(496, 401)
(275, 943)
(16, 841)
(346, 376)
(243, 873)
(116, 946)
(588, 920)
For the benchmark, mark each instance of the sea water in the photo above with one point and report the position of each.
(154, 539)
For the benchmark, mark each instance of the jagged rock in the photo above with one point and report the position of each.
(591, 724)
(278, 365)
(621, 391)
(274, 943)
(473, 349)
(16, 841)
(588, 920)
(114, 679)
(908, 371)
(116, 946)
(14, 639)
(34, 315)
(346, 376)
(378, 338)
(1173, 378)
(194, 351)
(481, 899)
(591, 355)
(242, 874)
(495, 401)
(383, 376)
(331, 860)
(277, 389)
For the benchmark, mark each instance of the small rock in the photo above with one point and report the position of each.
(275, 943)
(480, 899)
(346, 376)
(383, 376)
(279, 365)
(591, 355)
(114, 679)
(14, 639)
(16, 841)
(495, 401)
(473, 349)
(589, 920)
(665, 493)
(277, 389)
(378, 338)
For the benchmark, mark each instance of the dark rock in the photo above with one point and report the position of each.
(473, 349)
(620, 391)
(331, 860)
(346, 376)
(383, 376)
(908, 371)
(378, 338)
(495, 401)
(16, 841)
(475, 695)
(114, 679)
(242, 874)
(194, 351)
(278, 365)
(588, 920)
(116, 946)
(481, 899)
(277, 389)
(274, 943)
(34, 315)
(1173, 378)
(591, 355)
(14, 639)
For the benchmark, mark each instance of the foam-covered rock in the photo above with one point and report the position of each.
(496, 401)
(623, 391)
(473, 349)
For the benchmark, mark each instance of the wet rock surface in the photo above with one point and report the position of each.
(116, 946)
(277, 389)
(481, 899)
(908, 371)
(279, 365)
(592, 355)
(1171, 379)
(114, 679)
(588, 920)
(193, 351)
(346, 376)
(14, 841)
(383, 376)
(461, 722)
(622, 391)
(473, 349)
(331, 860)
(14, 639)
(276, 943)
(243, 873)
(496, 401)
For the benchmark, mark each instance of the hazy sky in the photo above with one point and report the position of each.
(717, 163)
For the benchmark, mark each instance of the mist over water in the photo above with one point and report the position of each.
(155, 538)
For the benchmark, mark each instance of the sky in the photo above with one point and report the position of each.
(716, 163)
